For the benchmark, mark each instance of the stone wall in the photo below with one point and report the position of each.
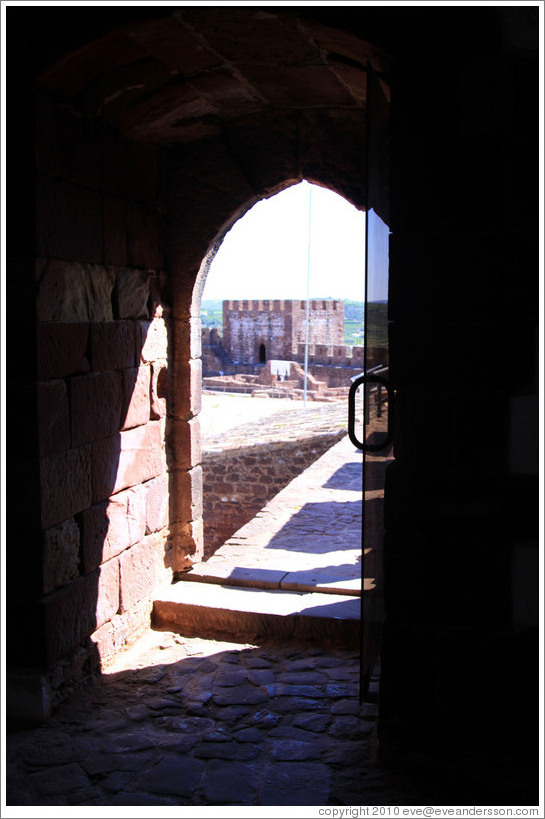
(237, 483)
(102, 347)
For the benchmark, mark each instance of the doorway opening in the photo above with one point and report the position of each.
(262, 354)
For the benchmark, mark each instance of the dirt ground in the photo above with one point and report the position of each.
(221, 411)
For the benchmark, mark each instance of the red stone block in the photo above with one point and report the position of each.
(136, 397)
(107, 592)
(137, 573)
(129, 458)
(53, 417)
(62, 349)
(154, 340)
(111, 527)
(96, 406)
(113, 345)
(185, 388)
(70, 616)
(184, 448)
(157, 504)
(131, 294)
(186, 494)
(65, 481)
(78, 236)
(115, 231)
(187, 544)
(144, 246)
(61, 555)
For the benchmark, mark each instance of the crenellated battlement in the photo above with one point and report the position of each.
(258, 330)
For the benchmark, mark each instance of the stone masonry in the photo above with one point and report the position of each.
(256, 331)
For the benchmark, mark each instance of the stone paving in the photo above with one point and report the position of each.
(187, 721)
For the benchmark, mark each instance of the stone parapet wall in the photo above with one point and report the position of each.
(237, 483)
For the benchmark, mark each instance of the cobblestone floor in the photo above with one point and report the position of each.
(178, 721)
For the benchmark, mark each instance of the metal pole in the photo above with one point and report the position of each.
(308, 295)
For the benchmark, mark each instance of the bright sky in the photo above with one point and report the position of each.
(265, 254)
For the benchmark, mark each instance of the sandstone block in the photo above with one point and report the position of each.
(186, 337)
(69, 616)
(53, 417)
(159, 389)
(136, 397)
(65, 481)
(107, 591)
(62, 349)
(137, 573)
(185, 389)
(121, 630)
(111, 527)
(96, 406)
(154, 340)
(186, 489)
(61, 555)
(157, 500)
(73, 292)
(113, 345)
(115, 231)
(183, 443)
(131, 293)
(129, 458)
(79, 234)
(144, 244)
(187, 544)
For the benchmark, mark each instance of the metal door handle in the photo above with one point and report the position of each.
(370, 378)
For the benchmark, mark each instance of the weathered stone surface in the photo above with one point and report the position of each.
(109, 528)
(317, 723)
(75, 292)
(107, 591)
(230, 783)
(186, 488)
(159, 389)
(136, 397)
(144, 245)
(53, 417)
(154, 340)
(295, 750)
(62, 349)
(77, 236)
(61, 554)
(123, 628)
(227, 679)
(187, 544)
(240, 696)
(157, 501)
(296, 783)
(227, 750)
(261, 676)
(137, 572)
(65, 481)
(176, 776)
(115, 231)
(95, 402)
(131, 294)
(185, 394)
(69, 615)
(129, 458)
(113, 345)
(60, 780)
(183, 443)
